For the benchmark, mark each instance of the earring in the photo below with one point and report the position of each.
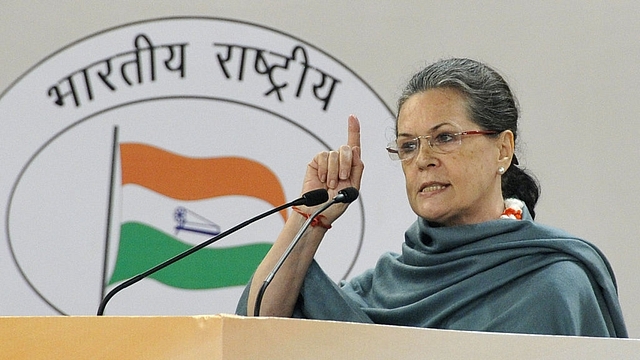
(501, 170)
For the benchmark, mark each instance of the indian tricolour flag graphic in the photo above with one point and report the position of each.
(175, 184)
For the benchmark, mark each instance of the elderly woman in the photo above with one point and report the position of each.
(474, 259)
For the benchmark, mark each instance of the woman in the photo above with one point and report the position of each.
(474, 259)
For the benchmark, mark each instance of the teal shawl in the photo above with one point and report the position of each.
(502, 275)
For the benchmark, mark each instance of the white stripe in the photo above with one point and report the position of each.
(143, 205)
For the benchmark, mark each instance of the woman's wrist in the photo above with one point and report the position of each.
(319, 221)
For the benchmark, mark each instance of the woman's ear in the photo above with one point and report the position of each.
(506, 143)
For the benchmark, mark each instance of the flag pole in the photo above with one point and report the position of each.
(105, 265)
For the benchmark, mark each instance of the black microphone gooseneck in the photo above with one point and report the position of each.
(311, 198)
(346, 195)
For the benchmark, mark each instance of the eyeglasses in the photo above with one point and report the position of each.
(441, 141)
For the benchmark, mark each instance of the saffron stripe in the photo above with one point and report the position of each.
(188, 178)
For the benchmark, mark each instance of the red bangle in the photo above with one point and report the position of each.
(317, 221)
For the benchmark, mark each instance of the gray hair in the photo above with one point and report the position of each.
(489, 100)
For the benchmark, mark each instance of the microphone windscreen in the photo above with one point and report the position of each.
(315, 197)
(348, 195)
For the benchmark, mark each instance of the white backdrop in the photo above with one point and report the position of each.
(573, 66)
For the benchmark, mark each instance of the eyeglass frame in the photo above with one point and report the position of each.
(394, 154)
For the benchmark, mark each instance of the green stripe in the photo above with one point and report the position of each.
(142, 247)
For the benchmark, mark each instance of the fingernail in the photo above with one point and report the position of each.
(332, 184)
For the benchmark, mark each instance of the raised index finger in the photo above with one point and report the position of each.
(354, 132)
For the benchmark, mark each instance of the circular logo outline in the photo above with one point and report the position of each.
(26, 166)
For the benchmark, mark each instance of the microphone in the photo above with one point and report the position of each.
(347, 196)
(311, 198)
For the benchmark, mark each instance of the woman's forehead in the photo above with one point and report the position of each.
(437, 108)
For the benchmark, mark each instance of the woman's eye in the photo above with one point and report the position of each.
(408, 146)
(444, 138)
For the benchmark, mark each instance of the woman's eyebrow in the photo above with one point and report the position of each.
(436, 127)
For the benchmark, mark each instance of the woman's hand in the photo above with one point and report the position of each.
(338, 169)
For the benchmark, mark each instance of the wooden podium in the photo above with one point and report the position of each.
(234, 337)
